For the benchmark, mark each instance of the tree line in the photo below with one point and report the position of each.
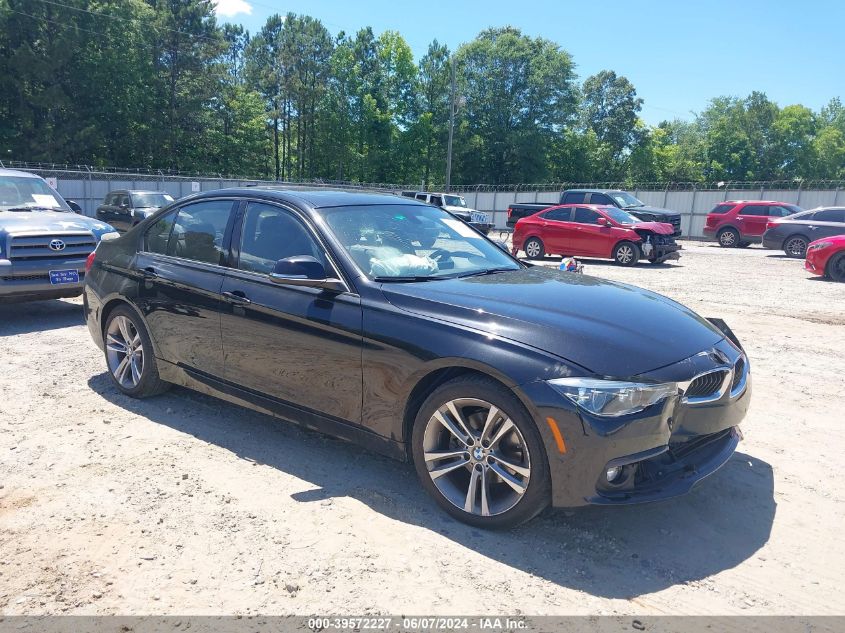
(161, 84)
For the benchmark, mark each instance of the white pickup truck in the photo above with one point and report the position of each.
(455, 205)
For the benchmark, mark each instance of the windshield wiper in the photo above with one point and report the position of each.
(32, 208)
(406, 278)
(486, 271)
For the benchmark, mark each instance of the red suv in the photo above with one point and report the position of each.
(594, 231)
(740, 222)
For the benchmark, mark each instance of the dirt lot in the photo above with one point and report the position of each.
(185, 505)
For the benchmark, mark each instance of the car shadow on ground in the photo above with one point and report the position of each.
(620, 552)
(38, 316)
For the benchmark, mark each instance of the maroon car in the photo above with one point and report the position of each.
(594, 231)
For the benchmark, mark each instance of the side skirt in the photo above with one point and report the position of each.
(224, 390)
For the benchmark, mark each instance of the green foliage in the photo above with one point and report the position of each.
(160, 84)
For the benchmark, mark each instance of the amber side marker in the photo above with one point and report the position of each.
(561, 445)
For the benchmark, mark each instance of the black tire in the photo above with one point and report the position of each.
(626, 253)
(537, 493)
(744, 244)
(149, 384)
(536, 245)
(836, 267)
(728, 238)
(795, 246)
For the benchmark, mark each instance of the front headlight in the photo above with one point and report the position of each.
(612, 398)
(815, 247)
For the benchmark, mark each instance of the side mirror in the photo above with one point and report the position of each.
(74, 206)
(603, 222)
(304, 270)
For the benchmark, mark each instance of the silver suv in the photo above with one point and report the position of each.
(43, 243)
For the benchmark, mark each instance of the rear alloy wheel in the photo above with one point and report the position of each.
(728, 238)
(129, 355)
(795, 246)
(534, 248)
(626, 254)
(836, 267)
(479, 455)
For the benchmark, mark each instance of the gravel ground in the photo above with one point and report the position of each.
(183, 504)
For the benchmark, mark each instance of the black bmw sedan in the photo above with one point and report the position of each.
(388, 322)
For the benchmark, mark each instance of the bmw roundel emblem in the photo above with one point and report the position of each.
(57, 245)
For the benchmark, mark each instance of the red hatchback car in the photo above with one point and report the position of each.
(740, 222)
(827, 257)
(594, 231)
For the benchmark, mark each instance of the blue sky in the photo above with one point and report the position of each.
(677, 54)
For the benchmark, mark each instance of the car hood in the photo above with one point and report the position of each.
(457, 209)
(648, 209)
(609, 328)
(12, 222)
(661, 228)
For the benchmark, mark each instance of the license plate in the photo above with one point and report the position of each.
(64, 277)
(479, 216)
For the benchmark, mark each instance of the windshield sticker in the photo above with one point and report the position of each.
(45, 200)
(461, 228)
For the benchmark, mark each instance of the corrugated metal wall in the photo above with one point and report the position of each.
(693, 205)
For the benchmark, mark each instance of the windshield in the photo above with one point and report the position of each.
(624, 199)
(154, 199)
(18, 192)
(454, 201)
(623, 217)
(413, 243)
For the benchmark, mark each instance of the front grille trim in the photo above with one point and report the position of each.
(28, 247)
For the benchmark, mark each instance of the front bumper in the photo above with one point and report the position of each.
(484, 227)
(665, 252)
(816, 260)
(29, 280)
(663, 451)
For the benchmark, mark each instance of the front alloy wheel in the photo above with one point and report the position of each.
(476, 457)
(479, 453)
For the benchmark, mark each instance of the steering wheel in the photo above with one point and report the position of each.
(442, 256)
(388, 238)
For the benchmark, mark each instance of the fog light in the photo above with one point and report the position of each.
(613, 473)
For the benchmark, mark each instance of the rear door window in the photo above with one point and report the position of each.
(721, 208)
(830, 215)
(600, 198)
(754, 209)
(574, 197)
(199, 230)
(159, 234)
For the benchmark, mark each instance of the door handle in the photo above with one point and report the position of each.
(149, 273)
(237, 297)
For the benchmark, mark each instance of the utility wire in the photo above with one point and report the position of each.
(122, 19)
